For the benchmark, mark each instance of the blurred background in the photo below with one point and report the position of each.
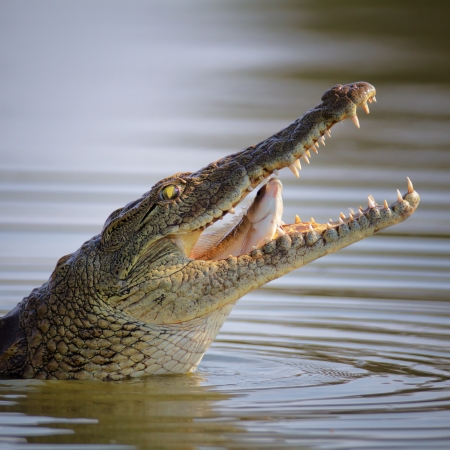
(101, 99)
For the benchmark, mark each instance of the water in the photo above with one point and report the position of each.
(100, 100)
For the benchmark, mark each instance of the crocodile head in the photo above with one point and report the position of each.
(152, 271)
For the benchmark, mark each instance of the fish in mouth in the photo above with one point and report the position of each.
(261, 221)
(149, 293)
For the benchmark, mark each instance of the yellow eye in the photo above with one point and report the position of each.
(169, 193)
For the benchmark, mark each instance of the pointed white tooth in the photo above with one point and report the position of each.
(281, 232)
(322, 140)
(231, 210)
(385, 204)
(314, 148)
(371, 202)
(369, 100)
(341, 222)
(350, 216)
(275, 172)
(374, 99)
(366, 108)
(342, 215)
(297, 164)
(351, 211)
(410, 186)
(254, 247)
(329, 227)
(399, 195)
(294, 170)
(331, 220)
(305, 158)
(250, 189)
(297, 219)
(355, 121)
(328, 133)
(308, 153)
(311, 228)
(312, 220)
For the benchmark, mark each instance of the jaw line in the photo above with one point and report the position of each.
(186, 240)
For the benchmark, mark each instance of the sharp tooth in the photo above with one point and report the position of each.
(331, 220)
(280, 230)
(308, 153)
(305, 158)
(399, 195)
(351, 211)
(314, 148)
(366, 108)
(374, 99)
(250, 189)
(341, 222)
(328, 133)
(329, 227)
(385, 205)
(297, 164)
(355, 121)
(322, 140)
(350, 216)
(231, 210)
(342, 215)
(294, 170)
(361, 211)
(311, 228)
(410, 186)
(297, 219)
(370, 100)
(275, 172)
(371, 202)
(282, 223)
(254, 247)
(312, 220)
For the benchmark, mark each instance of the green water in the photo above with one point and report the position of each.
(99, 100)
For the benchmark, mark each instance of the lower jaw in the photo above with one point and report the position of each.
(368, 221)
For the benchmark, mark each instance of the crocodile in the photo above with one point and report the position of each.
(142, 297)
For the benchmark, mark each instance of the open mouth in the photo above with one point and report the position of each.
(261, 222)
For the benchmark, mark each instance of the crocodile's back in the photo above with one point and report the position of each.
(13, 346)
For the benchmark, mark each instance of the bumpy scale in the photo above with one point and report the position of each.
(132, 301)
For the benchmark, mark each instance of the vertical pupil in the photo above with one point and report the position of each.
(169, 192)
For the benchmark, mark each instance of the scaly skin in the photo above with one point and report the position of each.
(131, 301)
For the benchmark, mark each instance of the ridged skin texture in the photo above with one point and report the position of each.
(130, 302)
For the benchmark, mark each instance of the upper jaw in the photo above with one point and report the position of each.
(245, 170)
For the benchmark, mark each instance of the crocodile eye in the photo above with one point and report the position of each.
(169, 193)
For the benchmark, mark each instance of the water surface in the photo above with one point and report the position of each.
(99, 100)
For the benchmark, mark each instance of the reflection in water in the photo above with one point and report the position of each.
(165, 411)
(102, 99)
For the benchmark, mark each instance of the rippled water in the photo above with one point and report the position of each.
(99, 100)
